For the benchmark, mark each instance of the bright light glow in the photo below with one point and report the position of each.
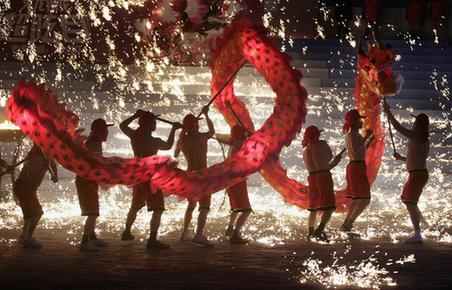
(7, 125)
(367, 273)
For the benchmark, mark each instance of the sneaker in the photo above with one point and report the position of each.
(202, 241)
(416, 239)
(156, 245)
(353, 235)
(345, 228)
(348, 231)
(99, 243)
(321, 237)
(31, 244)
(229, 231)
(88, 246)
(237, 240)
(127, 236)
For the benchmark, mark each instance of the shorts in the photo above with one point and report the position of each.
(88, 196)
(238, 197)
(28, 200)
(358, 186)
(321, 191)
(142, 195)
(414, 186)
(204, 202)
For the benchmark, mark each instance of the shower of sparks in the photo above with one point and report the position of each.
(159, 81)
(441, 85)
(149, 82)
(278, 26)
(366, 273)
(7, 125)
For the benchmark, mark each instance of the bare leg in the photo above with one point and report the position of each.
(202, 220)
(360, 207)
(33, 222)
(311, 222)
(153, 243)
(89, 241)
(347, 225)
(240, 222)
(155, 224)
(356, 208)
(131, 217)
(415, 216)
(232, 219)
(90, 224)
(423, 221)
(27, 234)
(187, 219)
(326, 216)
(23, 235)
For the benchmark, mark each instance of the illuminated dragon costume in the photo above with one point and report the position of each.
(54, 128)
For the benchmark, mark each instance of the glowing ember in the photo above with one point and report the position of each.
(146, 83)
(367, 273)
(7, 125)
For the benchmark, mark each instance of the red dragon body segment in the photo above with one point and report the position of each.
(38, 114)
(375, 79)
(36, 111)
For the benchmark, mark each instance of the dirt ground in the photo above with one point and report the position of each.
(126, 265)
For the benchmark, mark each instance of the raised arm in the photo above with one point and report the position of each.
(205, 111)
(170, 141)
(337, 159)
(178, 147)
(124, 126)
(402, 130)
(53, 169)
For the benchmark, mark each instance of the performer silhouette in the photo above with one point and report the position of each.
(193, 145)
(416, 159)
(238, 193)
(88, 191)
(319, 160)
(143, 145)
(25, 190)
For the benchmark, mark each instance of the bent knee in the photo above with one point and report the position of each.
(246, 211)
(411, 205)
(157, 211)
(191, 207)
(134, 209)
(204, 209)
